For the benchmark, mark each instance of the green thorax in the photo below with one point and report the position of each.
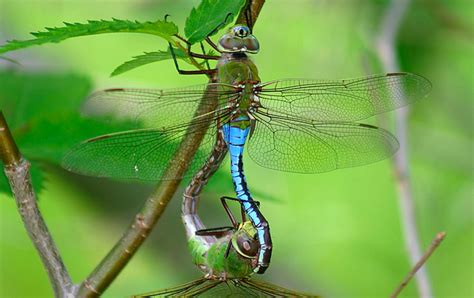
(236, 69)
(239, 70)
(214, 262)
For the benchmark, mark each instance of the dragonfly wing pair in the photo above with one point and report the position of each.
(231, 288)
(161, 118)
(304, 126)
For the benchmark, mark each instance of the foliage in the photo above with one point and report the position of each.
(208, 16)
(42, 112)
(147, 58)
(54, 35)
(324, 223)
(202, 21)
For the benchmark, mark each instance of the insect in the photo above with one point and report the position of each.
(293, 125)
(225, 255)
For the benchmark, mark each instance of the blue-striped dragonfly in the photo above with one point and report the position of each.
(294, 125)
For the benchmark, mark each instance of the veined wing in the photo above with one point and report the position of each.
(145, 154)
(271, 290)
(230, 288)
(342, 100)
(301, 146)
(177, 291)
(156, 108)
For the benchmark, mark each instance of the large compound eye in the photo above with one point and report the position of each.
(241, 31)
(247, 246)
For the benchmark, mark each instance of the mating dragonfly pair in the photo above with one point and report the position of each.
(293, 125)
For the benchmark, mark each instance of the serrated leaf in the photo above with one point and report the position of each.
(148, 58)
(209, 15)
(54, 35)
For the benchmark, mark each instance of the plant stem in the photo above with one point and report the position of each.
(154, 207)
(141, 226)
(254, 6)
(17, 171)
(385, 45)
(9, 152)
(433, 246)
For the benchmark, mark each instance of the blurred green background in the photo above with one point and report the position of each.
(336, 234)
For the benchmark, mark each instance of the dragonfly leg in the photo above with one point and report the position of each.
(212, 44)
(208, 72)
(248, 16)
(216, 232)
(203, 55)
(228, 211)
(196, 55)
(244, 217)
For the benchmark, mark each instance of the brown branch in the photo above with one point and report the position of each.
(141, 226)
(255, 8)
(386, 50)
(9, 152)
(17, 171)
(433, 246)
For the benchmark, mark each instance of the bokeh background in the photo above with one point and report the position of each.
(337, 234)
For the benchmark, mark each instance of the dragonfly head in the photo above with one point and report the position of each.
(238, 40)
(244, 240)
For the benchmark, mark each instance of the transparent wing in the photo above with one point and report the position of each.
(156, 108)
(177, 291)
(299, 146)
(145, 154)
(168, 115)
(271, 290)
(343, 100)
(230, 288)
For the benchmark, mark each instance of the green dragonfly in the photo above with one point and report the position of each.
(225, 255)
(294, 125)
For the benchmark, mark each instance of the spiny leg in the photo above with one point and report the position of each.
(248, 16)
(217, 232)
(221, 231)
(244, 217)
(208, 72)
(212, 44)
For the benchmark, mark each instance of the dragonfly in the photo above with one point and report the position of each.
(292, 125)
(226, 256)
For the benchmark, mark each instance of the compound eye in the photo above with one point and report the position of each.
(241, 31)
(248, 246)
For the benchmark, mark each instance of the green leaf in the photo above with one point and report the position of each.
(54, 35)
(209, 15)
(147, 58)
(25, 97)
(42, 111)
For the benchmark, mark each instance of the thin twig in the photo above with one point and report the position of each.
(385, 44)
(433, 246)
(141, 226)
(17, 171)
